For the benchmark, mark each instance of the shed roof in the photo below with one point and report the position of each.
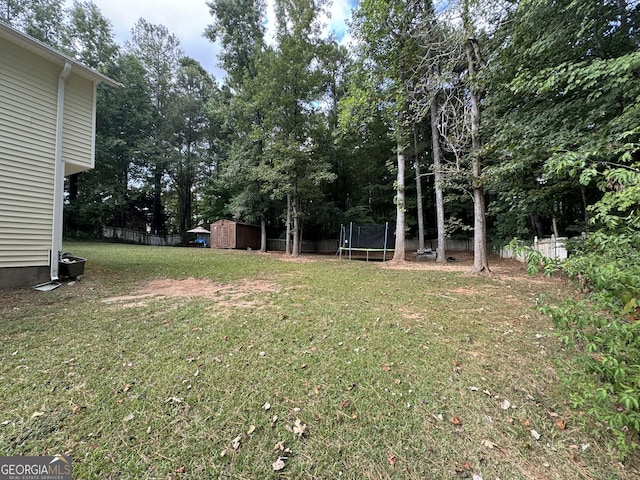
(45, 51)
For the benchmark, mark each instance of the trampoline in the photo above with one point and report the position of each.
(367, 239)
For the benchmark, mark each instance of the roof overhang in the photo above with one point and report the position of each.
(45, 51)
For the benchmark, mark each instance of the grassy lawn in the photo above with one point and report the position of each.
(195, 363)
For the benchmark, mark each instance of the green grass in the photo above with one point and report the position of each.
(375, 362)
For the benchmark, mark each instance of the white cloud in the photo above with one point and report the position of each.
(339, 12)
(186, 19)
(334, 20)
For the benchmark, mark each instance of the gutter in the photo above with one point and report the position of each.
(58, 178)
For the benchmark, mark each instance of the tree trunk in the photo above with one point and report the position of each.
(416, 167)
(585, 205)
(263, 234)
(287, 242)
(295, 246)
(437, 170)
(480, 262)
(157, 220)
(398, 254)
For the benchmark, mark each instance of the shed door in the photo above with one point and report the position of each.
(224, 236)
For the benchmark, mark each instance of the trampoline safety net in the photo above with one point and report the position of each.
(369, 237)
(366, 238)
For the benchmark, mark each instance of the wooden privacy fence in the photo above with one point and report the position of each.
(135, 236)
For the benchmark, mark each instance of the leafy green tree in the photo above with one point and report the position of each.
(291, 80)
(548, 54)
(190, 124)
(239, 25)
(41, 19)
(159, 52)
(89, 35)
(387, 52)
(12, 11)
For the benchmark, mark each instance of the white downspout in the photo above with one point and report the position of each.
(58, 178)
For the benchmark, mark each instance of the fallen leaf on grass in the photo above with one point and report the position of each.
(456, 421)
(252, 429)
(128, 418)
(76, 408)
(438, 417)
(174, 400)
(281, 447)
(488, 443)
(278, 464)
(476, 477)
(561, 424)
(274, 419)
(127, 387)
(386, 369)
(535, 434)
(6, 422)
(392, 460)
(298, 428)
(37, 414)
(266, 406)
(181, 469)
(235, 443)
(505, 405)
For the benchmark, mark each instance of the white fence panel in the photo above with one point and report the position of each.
(549, 247)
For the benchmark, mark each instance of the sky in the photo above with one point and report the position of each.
(187, 19)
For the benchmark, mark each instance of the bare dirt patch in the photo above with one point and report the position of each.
(300, 258)
(232, 294)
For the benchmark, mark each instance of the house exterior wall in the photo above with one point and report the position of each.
(28, 95)
(78, 139)
(28, 114)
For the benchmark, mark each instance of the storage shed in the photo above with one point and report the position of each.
(230, 234)
(47, 131)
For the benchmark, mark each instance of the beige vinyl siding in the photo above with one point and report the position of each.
(28, 95)
(78, 136)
